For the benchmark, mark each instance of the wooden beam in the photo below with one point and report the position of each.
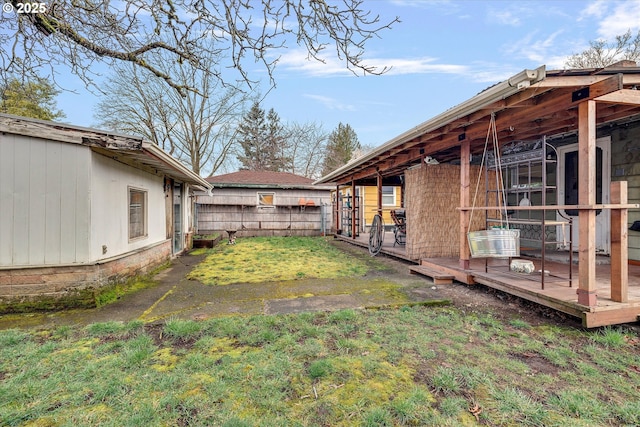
(465, 200)
(587, 196)
(622, 96)
(631, 79)
(611, 317)
(603, 87)
(567, 81)
(619, 244)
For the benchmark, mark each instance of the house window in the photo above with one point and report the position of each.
(388, 196)
(137, 213)
(266, 200)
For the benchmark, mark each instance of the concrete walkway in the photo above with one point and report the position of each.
(178, 297)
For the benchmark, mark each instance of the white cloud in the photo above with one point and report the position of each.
(330, 103)
(444, 6)
(298, 60)
(539, 50)
(401, 66)
(596, 9)
(624, 17)
(504, 17)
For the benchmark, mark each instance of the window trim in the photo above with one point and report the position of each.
(393, 195)
(266, 206)
(145, 213)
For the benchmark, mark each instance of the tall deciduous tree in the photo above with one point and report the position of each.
(603, 53)
(30, 99)
(197, 129)
(307, 146)
(78, 33)
(342, 145)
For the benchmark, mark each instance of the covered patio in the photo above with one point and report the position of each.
(563, 107)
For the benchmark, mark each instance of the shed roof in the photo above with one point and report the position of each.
(131, 150)
(529, 105)
(262, 179)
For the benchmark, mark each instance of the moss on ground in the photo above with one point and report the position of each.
(262, 259)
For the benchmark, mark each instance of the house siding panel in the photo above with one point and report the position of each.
(7, 177)
(37, 203)
(20, 253)
(370, 205)
(32, 208)
(68, 206)
(111, 181)
(52, 203)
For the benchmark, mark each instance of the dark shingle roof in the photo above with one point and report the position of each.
(262, 178)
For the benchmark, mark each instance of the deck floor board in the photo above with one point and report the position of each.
(557, 292)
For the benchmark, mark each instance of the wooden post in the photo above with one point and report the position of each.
(465, 199)
(337, 212)
(354, 211)
(379, 200)
(619, 244)
(587, 196)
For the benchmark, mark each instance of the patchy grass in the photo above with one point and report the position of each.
(114, 292)
(262, 259)
(391, 367)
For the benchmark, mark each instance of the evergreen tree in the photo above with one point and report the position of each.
(30, 99)
(343, 144)
(263, 144)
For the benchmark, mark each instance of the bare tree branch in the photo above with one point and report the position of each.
(602, 53)
(79, 33)
(197, 128)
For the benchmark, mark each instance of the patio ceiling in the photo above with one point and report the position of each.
(531, 104)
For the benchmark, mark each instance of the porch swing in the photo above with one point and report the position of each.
(499, 241)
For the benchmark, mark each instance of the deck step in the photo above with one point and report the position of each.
(438, 277)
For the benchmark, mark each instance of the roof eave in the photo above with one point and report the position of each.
(175, 168)
(502, 90)
(273, 186)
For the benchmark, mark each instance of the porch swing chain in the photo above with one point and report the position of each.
(502, 201)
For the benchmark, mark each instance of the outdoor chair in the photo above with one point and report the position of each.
(400, 226)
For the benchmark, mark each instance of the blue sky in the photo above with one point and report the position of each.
(442, 53)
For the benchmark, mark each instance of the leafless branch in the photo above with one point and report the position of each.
(78, 33)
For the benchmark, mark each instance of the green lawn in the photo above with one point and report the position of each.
(408, 366)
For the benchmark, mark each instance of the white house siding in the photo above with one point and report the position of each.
(111, 181)
(44, 202)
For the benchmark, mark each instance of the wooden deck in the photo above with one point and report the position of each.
(388, 248)
(558, 292)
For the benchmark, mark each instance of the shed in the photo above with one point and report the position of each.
(82, 208)
(264, 203)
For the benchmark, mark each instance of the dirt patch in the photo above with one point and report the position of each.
(537, 364)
